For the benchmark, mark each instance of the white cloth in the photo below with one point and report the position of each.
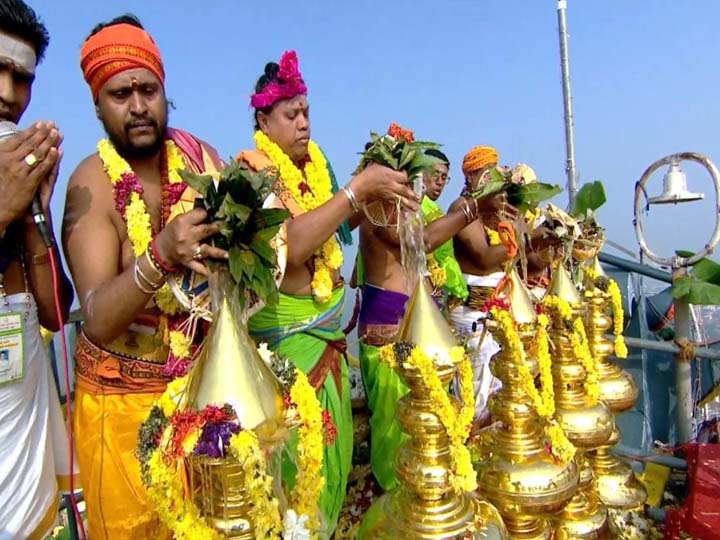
(467, 322)
(33, 439)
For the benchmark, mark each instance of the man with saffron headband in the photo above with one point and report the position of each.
(385, 289)
(129, 222)
(34, 456)
(482, 263)
(305, 324)
(482, 258)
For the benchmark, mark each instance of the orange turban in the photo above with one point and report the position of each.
(115, 49)
(479, 157)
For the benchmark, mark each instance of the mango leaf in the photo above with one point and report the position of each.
(250, 262)
(705, 269)
(200, 183)
(424, 145)
(406, 156)
(487, 189)
(496, 175)
(261, 244)
(235, 263)
(231, 209)
(263, 284)
(695, 291)
(420, 163)
(526, 196)
(269, 217)
(591, 196)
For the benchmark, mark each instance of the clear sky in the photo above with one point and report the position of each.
(460, 72)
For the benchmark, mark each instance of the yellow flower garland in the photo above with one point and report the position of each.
(579, 342)
(182, 516)
(543, 402)
(618, 319)
(329, 257)
(180, 344)
(493, 236)
(457, 426)
(617, 310)
(264, 506)
(139, 227)
(309, 482)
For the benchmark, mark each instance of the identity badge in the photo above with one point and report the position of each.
(12, 350)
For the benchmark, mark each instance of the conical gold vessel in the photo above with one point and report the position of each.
(587, 423)
(614, 479)
(425, 506)
(230, 371)
(516, 472)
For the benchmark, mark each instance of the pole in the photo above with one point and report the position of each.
(683, 372)
(567, 104)
(638, 268)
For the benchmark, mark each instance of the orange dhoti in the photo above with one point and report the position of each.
(114, 395)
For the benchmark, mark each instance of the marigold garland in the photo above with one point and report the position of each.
(264, 506)
(457, 426)
(166, 491)
(493, 236)
(618, 319)
(128, 191)
(579, 342)
(310, 482)
(581, 349)
(310, 191)
(543, 401)
(613, 290)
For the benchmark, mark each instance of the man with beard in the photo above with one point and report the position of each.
(34, 460)
(128, 223)
(305, 324)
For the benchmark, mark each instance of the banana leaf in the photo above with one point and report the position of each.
(590, 197)
(527, 196)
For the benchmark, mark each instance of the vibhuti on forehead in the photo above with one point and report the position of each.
(19, 53)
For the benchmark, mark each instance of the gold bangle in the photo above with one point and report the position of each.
(37, 258)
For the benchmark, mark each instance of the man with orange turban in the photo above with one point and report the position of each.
(482, 266)
(129, 223)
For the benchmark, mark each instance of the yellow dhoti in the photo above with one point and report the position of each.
(109, 409)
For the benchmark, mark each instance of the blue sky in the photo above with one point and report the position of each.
(460, 72)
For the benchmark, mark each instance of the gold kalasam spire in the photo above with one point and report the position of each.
(230, 370)
(425, 327)
(521, 305)
(563, 287)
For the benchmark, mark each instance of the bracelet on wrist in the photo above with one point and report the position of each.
(350, 194)
(138, 277)
(163, 264)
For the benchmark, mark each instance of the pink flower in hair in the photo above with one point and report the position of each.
(289, 84)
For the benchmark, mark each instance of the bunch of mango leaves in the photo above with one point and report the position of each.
(521, 196)
(702, 285)
(246, 228)
(398, 154)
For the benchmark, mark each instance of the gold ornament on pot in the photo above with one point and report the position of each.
(586, 420)
(526, 466)
(435, 499)
(614, 479)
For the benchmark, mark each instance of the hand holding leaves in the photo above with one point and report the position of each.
(246, 228)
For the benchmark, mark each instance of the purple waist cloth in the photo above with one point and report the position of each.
(380, 306)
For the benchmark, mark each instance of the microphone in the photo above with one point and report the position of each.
(7, 129)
